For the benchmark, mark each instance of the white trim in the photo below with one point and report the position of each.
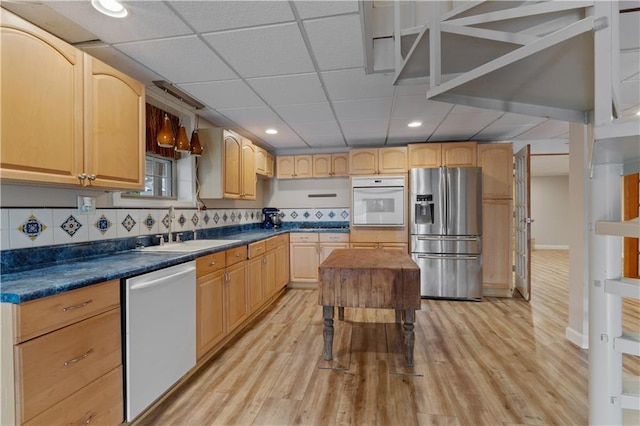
(551, 247)
(577, 338)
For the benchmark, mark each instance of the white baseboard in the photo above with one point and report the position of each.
(576, 338)
(550, 247)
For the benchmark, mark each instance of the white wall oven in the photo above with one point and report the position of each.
(378, 201)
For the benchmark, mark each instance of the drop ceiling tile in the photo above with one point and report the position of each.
(263, 51)
(323, 134)
(344, 31)
(146, 20)
(223, 94)
(365, 132)
(364, 109)
(546, 130)
(355, 84)
(179, 59)
(399, 132)
(511, 119)
(412, 90)
(464, 126)
(122, 62)
(260, 116)
(501, 133)
(315, 9)
(289, 89)
(305, 113)
(285, 138)
(418, 107)
(209, 16)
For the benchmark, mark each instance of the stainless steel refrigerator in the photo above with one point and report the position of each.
(446, 231)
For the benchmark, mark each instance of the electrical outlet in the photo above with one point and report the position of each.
(86, 204)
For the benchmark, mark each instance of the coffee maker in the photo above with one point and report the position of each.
(271, 218)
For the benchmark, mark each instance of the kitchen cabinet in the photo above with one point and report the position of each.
(264, 162)
(236, 287)
(294, 167)
(331, 165)
(58, 353)
(227, 167)
(497, 218)
(210, 321)
(78, 121)
(372, 161)
(282, 260)
(270, 164)
(496, 160)
(448, 154)
(308, 250)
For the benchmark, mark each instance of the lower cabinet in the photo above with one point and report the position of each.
(236, 295)
(309, 250)
(62, 358)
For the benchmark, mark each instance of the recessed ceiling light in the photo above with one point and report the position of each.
(112, 8)
(638, 113)
(271, 131)
(415, 124)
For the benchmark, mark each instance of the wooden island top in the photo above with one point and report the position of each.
(385, 279)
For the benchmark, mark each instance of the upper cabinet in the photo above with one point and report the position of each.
(75, 120)
(227, 166)
(496, 160)
(331, 165)
(372, 161)
(452, 154)
(264, 162)
(294, 166)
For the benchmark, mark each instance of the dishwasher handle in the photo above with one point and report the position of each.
(162, 280)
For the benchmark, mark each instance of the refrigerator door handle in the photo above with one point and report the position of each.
(448, 256)
(447, 238)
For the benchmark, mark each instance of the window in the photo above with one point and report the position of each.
(158, 178)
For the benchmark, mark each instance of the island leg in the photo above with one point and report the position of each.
(409, 337)
(327, 313)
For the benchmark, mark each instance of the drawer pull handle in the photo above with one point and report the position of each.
(212, 263)
(80, 358)
(89, 418)
(81, 305)
(237, 254)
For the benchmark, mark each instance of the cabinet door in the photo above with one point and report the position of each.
(303, 167)
(261, 161)
(210, 321)
(327, 248)
(496, 160)
(255, 283)
(304, 262)
(392, 160)
(269, 274)
(284, 167)
(322, 165)
(363, 161)
(236, 292)
(248, 170)
(340, 164)
(282, 265)
(459, 154)
(425, 155)
(232, 148)
(270, 164)
(114, 123)
(497, 235)
(41, 105)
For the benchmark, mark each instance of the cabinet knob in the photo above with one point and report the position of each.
(91, 177)
(212, 263)
(82, 176)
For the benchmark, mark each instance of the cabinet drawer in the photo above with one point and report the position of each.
(257, 249)
(41, 316)
(273, 243)
(54, 366)
(303, 237)
(210, 263)
(236, 255)
(334, 238)
(100, 403)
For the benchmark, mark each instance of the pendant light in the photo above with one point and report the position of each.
(165, 137)
(182, 143)
(196, 147)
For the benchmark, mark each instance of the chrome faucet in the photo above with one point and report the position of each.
(171, 215)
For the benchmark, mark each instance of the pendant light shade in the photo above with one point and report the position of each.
(165, 137)
(196, 147)
(182, 143)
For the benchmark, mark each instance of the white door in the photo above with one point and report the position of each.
(523, 222)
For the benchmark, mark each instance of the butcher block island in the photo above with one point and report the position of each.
(384, 279)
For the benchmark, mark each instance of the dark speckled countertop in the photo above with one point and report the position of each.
(22, 286)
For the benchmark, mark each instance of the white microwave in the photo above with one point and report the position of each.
(378, 201)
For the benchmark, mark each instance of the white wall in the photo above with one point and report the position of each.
(294, 193)
(550, 211)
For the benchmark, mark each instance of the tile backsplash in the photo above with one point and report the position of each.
(38, 227)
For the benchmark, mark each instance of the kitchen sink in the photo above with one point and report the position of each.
(188, 246)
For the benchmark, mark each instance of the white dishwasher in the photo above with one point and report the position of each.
(160, 333)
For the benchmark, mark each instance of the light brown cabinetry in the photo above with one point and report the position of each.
(210, 321)
(372, 161)
(384, 246)
(331, 165)
(227, 166)
(264, 162)
(79, 121)
(496, 161)
(268, 269)
(448, 154)
(294, 166)
(308, 250)
(270, 164)
(57, 361)
(282, 260)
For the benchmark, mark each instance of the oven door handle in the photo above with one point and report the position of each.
(448, 256)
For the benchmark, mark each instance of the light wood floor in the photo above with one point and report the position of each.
(497, 362)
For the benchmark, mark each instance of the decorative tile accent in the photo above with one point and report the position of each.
(103, 224)
(71, 226)
(233, 216)
(216, 218)
(165, 221)
(225, 217)
(128, 223)
(332, 214)
(195, 219)
(182, 220)
(32, 228)
(294, 214)
(306, 215)
(319, 214)
(206, 218)
(149, 221)
(344, 214)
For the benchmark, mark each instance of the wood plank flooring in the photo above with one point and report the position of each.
(497, 362)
